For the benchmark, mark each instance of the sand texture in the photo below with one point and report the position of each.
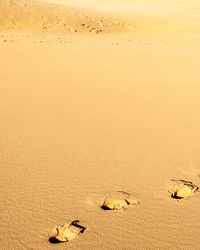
(98, 97)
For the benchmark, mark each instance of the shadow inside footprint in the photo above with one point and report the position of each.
(75, 223)
(53, 240)
(176, 197)
(105, 208)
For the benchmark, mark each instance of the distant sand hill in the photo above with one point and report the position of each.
(46, 17)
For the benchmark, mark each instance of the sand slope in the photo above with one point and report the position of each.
(95, 114)
(38, 16)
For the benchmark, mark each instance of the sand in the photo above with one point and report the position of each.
(87, 112)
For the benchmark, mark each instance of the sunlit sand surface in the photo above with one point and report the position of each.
(98, 97)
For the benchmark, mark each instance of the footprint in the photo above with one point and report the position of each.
(118, 200)
(181, 189)
(67, 232)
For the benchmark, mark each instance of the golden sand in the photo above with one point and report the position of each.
(93, 99)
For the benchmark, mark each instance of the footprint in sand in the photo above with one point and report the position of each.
(181, 189)
(118, 200)
(67, 232)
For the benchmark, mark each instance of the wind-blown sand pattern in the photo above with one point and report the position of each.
(95, 98)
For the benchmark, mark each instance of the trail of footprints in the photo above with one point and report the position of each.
(120, 200)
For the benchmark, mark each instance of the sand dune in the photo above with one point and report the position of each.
(152, 22)
(84, 114)
(46, 17)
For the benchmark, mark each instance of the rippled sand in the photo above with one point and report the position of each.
(97, 98)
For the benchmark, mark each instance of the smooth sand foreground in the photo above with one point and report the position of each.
(85, 113)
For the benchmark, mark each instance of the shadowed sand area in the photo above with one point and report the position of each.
(85, 112)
